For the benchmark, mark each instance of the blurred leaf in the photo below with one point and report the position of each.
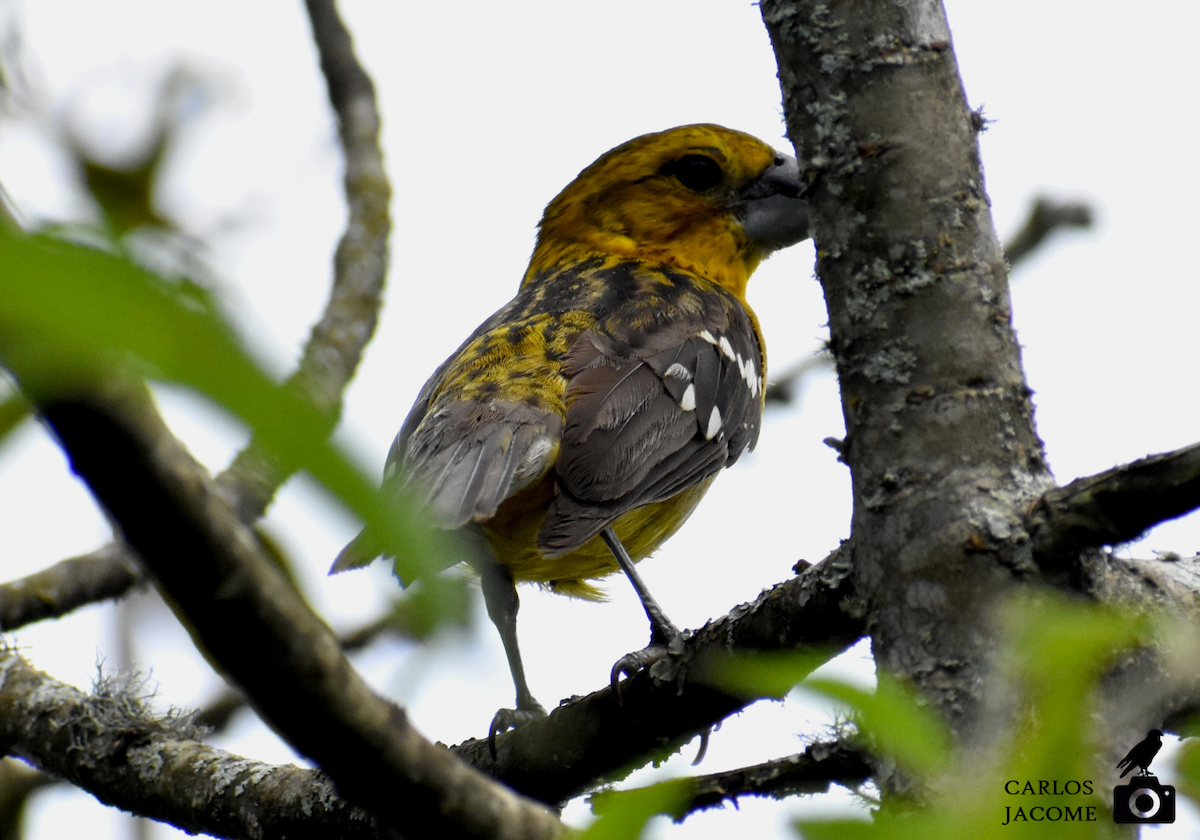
(1057, 652)
(434, 602)
(14, 409)
(1054, 655)
(126, 196)
(954, 823)
(1187, 765)
(623, 814)
(893, 719)
(74, 315)
(761, 674)
(125, 191)
(895, 722)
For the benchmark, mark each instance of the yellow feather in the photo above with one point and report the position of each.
(611, 208)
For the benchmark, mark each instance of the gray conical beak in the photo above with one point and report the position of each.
(771, 207)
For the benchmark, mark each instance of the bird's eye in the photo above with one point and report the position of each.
(699, 173)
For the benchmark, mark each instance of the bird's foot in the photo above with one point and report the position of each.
(507, 719)
(640, 660)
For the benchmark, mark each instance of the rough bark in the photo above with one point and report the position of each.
(941, 444)
(330, 356)
(360, 264)
(591, 740)
(954, 507)
(940, 438)
(111, 744)
(245, 615)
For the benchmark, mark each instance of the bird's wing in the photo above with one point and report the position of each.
(651, 412)
(468, 456)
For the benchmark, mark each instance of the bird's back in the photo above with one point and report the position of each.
(609, 391)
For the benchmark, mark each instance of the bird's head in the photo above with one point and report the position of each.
(703, 198)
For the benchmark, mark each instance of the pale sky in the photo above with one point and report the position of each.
(488, 111)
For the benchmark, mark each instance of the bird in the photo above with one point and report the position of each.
(578, 427)
(1142, 754)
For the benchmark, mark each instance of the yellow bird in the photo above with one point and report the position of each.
(578, 427)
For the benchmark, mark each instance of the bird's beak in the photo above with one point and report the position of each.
(771, 208)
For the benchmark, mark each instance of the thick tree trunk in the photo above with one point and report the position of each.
(949, 475)
(941, 442)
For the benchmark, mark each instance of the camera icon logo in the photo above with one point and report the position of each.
(1144, 800)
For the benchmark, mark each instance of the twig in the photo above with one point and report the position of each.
(782, 389)
(241, 609)
(1115, 506)
(401, 620)
(110, 744)
(335, 346)
(812, 771)
(359, 268)
(108, 572)
(1046, 217)
(588, 740)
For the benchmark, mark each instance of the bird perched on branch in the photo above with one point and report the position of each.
(579, 426)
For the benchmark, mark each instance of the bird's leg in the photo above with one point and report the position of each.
(665, 637)
(500, 596)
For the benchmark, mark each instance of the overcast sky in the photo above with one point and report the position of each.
(489, 109)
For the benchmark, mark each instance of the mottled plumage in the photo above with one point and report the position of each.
(579, 395)
(624, 375)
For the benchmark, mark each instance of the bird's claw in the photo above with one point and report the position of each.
(632, 663)
(507, 719)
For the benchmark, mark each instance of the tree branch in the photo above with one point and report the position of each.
(110, 744)
(813, 771)
(939, 428)
(108, 572)
(1046, 217)
(593, 739)
(1115, 506)
(402, 620)
(243, 611)
(359, 268)
(783, 389)
(334, 348)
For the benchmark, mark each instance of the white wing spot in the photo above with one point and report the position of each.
(727, 348)
(748, 374)
(707, 336)
(678, 371)
(714, 424)
(688, 402)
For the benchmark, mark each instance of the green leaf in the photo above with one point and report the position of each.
(1053, 656)
(985, 820)
(1057, 652)
(14, 409)
(894, 721)
(1187, 765)
(623, 814)
(892, 718)
(760, 674)
(73, 316)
